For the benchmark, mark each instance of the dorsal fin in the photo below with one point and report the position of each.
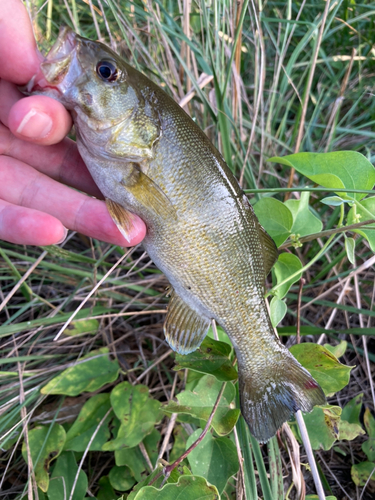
(270, 252)
(184, 328)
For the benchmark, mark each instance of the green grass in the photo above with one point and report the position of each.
(252, 110)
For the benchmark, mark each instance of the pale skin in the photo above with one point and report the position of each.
(37, 161)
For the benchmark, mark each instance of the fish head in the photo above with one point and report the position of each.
(88, 78)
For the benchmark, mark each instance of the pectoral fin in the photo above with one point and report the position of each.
(148, 193)
(184, 329)
(121, 217)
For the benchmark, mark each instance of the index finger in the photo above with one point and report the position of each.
(17, 43)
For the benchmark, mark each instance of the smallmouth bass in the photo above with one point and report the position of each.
(149, 158)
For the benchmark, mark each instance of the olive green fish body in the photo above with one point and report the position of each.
(149, 157)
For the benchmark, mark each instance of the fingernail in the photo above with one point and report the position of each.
(35, 125)
(63, 238)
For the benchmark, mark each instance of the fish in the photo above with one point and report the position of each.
(149, 158)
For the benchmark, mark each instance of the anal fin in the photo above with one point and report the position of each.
(184, 328)
(121, 217)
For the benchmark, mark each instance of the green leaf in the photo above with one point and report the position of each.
(199, 404)
(349, 431)
(369, 422)
(337, 350)
(304, 221)
(88, 375)
(362, 471)
(121, 478)
(350, 247)
(179, 444)
(334, 201)
(323, 426)
(359, 213)
(340, 169)
(286, 265)
(315, 497)
(45, 446)
(215, 459)
(151, 442)
(80, 433)
(137, 413)
(368, 446)
(326, 369)
(81, 327)
(275, 217)
(133, 458)
(106, 492)
(352, 410)
(187, 488)
(63, 476)
(277, 311)
(211, 357)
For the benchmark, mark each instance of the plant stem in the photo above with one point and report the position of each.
(310, 455)
(329, 232)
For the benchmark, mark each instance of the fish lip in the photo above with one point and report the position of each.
(52, 71)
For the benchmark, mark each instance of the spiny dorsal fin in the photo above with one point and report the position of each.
(184, 329)
(270, 252)
(121, 217)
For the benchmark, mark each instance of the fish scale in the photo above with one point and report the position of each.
(148, 157)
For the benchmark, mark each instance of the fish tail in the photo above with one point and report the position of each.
(275, 391)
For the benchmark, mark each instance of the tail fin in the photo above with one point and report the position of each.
(280, 388)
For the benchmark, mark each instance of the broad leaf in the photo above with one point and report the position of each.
(323, 426)
(362, 472)
(121, 478)
(287, 264)
(45, 446)
(340, 169)
(133, 458)
(326, 369)
(275, 217)
(368, 446)
(187, 488)
(277, 311)
(215, 459)
(88, 375)
(63, 476)
(349, 431)
(352, 410)
(350, 248)
(106, 492)
(80, 433)
(211, 357)
(199, 404)
(360, 214)
(81, 327)
(304, 221)
(337, 350)
(137, 413)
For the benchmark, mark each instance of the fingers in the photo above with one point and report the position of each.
(61, 161)
(29, 227)
(39, 119)
(24, 186)
(19, 59)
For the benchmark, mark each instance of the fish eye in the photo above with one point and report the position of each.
(107, 71)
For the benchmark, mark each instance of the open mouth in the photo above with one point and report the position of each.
(55, 68)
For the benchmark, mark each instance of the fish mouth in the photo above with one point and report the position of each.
(60, 69)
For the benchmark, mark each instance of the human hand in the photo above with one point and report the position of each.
(37, 161)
